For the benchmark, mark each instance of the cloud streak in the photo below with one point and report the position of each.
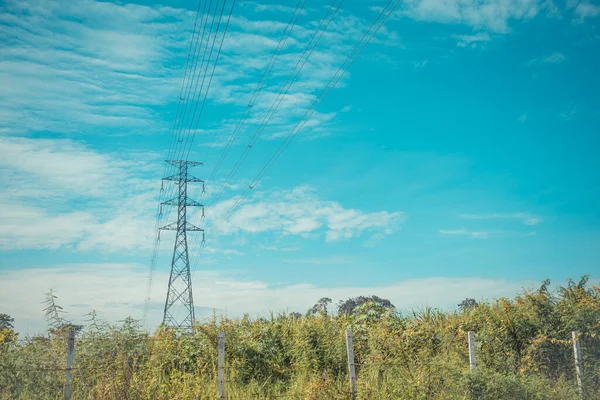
(98, 67)
(525, 218)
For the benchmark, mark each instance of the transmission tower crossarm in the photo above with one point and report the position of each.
(189, 227)
(177, 163)
(175, 202)
(186, 178)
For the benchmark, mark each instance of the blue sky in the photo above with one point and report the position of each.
(457, 157)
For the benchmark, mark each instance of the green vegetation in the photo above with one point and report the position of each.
(523, 352)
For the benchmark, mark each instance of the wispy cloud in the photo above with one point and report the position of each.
(552, 59)
(525, 218)
(61, 193)
(420, 64)
(465, 232)
(586, 9)
(472, 40)
(286, 97)
(333, 260)
(300, 212)
(493, 15)
(98, 67)
(555, 58)
(278, 248)
(116, 202)
(522, 118)
(484, 234)
(111, 69)
(257, 7)
(569, 114)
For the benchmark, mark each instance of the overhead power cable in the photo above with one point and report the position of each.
(212, 74)
(360, 46)
(308, 50)
(192, 89)
(180, 154)
(259, 86)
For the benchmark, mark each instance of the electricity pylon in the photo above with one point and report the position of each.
(179, 305)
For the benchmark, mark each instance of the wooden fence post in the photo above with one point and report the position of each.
(69, 372)
(351, 369)
(578, 362)
(221, 372)
(471, 337)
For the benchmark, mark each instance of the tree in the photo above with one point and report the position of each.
(295, 315)
(352, 304)
(467, 304)
(6, 322)
(320, 307)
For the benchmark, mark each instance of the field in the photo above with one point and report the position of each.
(523, 349)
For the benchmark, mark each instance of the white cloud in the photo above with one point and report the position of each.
(118, 290)
(465, 232)
(495, 234)
(97, 67)
(472, 40)
(346, 108)
(301, 212)
(63, 167)
(334, 260)
(569, 113)
(522, 118)
(278, 248)
(552, 59)
(227, 252)
(419, 64)
(492, 15)
(26, 227)
(60, 193)
(115, 202)
(526, 218)
(586, 9)
(555, 58)
(257, 7)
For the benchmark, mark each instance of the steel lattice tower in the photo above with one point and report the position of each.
(179, 305)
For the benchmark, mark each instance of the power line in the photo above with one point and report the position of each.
(198, 93)
(186, 96)
(211, 74)
(177, 154)
(324, 93)
(209, 80)
(260, 85)
(308, 50)
(266, 73)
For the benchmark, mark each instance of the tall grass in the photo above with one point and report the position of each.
(523, 352)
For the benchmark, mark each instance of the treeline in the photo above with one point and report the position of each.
(524, 351)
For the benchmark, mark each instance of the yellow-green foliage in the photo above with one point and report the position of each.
(523, 352)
